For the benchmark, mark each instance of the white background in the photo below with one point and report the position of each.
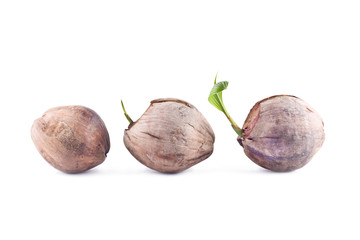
(94, 53)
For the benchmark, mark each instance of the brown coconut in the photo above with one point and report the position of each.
(72, 139)
(171, 136)
(282, 133)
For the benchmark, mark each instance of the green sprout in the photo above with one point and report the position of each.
(215, 98)
(126, 115)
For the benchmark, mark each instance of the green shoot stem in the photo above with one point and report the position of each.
(126, 115)
(236, 128)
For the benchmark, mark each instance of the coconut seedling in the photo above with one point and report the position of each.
(171, 136)
(281, 133)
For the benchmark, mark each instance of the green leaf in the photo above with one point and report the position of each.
(215, 97)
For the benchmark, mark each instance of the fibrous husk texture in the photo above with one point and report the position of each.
(72, 139)
(171, 136)
(282, 133)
